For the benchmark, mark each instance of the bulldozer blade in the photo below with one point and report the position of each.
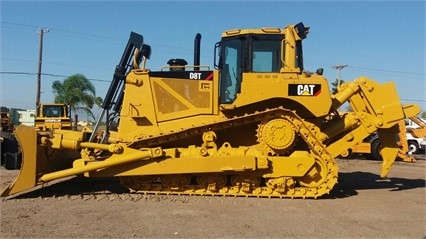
(27, 138)
(42, 163)
(37, 160)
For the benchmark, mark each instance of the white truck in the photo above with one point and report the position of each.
(416, 135)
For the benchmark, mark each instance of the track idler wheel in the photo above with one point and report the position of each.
(315, 176)
(281, 185)
(137, 183)
(245, 183)
(176, 182)
(211, 182)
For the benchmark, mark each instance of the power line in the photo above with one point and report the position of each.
(414, 100)
(20, 24)
(62, 31)
(388, 71)
(83, 35)
(45, 74)
(57, 63)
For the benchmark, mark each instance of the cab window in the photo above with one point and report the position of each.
(53, 111)
(231, 70)
(266, 55)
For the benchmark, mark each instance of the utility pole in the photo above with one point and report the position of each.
(40, 54)
(339, 68)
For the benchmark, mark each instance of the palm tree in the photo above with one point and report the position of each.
(77, 92)
(335, 85)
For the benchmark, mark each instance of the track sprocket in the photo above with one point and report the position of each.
(277, 136)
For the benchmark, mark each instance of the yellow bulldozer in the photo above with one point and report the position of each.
(52, 116)
(49, 116)
(257, 125)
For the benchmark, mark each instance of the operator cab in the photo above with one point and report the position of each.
(53, 111)
(253, 51)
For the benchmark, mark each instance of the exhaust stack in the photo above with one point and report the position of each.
(197, 44)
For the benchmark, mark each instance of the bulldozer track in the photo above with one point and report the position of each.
(321, 181)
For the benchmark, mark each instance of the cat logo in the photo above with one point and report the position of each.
(304, 89)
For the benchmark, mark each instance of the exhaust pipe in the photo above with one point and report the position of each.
(197, 44)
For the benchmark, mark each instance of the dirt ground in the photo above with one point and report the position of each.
(360, 206)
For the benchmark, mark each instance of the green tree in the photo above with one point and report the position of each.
(77, 92)
(98, 101)
(335, 85)
(423, 115)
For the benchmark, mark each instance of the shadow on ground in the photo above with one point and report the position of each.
(350, 183)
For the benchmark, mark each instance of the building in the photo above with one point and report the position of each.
(26, 117)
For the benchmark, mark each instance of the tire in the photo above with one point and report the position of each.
(4, 145)
(346, 154)
(375, 150)
(9, 144)
(11, 161)
(413, 147)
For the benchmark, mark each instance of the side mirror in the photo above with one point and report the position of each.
(302, 30)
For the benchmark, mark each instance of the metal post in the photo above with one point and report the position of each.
(40, 54)
(338, 67)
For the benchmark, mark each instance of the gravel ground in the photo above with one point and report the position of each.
(362, 205)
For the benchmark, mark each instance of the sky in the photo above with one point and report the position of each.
(383, 40)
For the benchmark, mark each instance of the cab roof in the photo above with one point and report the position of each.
(263, 30)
